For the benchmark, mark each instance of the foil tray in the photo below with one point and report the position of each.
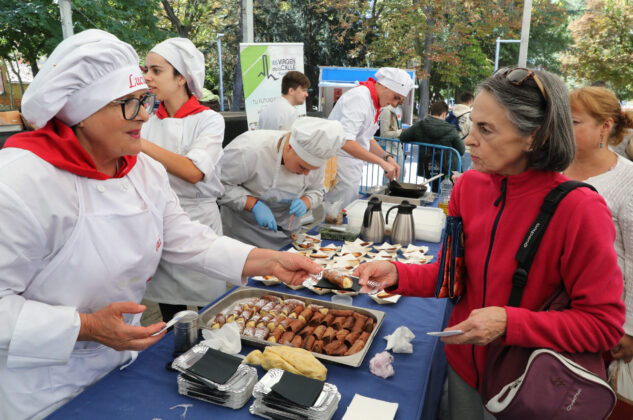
(244, 293)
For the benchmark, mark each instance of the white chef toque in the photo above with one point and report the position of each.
(83, 74)
(395, 79)
(316, 140)
(187, 59)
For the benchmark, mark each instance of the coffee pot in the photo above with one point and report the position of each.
(373, 227)
(403, 230)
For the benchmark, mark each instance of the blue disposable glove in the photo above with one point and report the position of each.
(298, 207)
(264, 216)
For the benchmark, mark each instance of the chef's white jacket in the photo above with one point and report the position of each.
(198, 137)
(279, 115)
(71, 244)
(356, 112)
(251, 165)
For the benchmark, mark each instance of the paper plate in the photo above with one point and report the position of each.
(344, 292)
(384, 300)
(267, 280)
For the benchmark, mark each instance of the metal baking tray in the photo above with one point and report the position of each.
(228, 302)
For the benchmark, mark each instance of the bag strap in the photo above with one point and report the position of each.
(527, 250)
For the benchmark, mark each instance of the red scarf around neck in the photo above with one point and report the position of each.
(371, 85)
(191, 107)
(57, 144)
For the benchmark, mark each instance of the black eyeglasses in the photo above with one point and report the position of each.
(131, 106)
(517, 76)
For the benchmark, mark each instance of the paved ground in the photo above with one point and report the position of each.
(152, 313)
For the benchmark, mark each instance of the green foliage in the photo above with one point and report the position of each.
(603, 46)
(332, 31)
(132, 21)
(28, 29)
(32, 29)
(201, 21)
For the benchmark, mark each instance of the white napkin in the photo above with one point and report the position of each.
(226, 339)
(365, 408)
(400, 340)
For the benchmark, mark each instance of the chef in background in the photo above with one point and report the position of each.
(358, 110)
(186, 138)
(272, 178)
(85, 221)
(280, 114)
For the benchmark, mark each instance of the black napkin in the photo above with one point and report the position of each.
(216, 366)
(298, 389)
(324, 284)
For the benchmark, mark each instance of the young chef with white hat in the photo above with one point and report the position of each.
(358, 110)
(85, 222)
(186, 138)
(273, 177)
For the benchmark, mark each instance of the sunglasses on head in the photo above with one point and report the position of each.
(518, 75)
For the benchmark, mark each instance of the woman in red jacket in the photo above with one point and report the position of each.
(520, 141)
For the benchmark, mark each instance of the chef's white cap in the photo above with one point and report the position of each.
(187, 59)
(395, 79)
(83, 74)
(316, 140)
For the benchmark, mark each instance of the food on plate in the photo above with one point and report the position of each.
(313, 239)
(384, 295)
(338, 279)
(356, 347)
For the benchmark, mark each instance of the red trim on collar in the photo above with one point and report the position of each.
(191, 107)
(371, 85)
(57, 144)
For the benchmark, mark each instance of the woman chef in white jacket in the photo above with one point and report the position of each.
(84, 224)
(186, 138)
(273, 177)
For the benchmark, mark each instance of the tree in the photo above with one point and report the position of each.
(603, 46)
(32, 29)
(201, 21)
(332, 31)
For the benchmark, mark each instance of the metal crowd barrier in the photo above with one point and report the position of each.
(418, 162)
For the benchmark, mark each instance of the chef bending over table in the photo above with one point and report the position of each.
(271, 178)
(85, 221)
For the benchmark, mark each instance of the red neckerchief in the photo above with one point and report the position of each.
(192, 106)
(371, 85)
(57, 144)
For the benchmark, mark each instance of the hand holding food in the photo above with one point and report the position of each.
(376, 275)
(287, 267)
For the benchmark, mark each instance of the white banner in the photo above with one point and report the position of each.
(263, 67)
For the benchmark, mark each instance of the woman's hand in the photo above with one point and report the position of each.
(482, 327)
(376, 275)
(624, 349)
(106, 326)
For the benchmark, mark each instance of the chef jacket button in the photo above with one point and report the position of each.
(100, 188)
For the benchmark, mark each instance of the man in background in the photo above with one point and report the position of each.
(435, 130)
(280, 114)
(462, 113)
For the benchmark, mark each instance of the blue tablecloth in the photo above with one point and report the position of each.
(147, 390)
